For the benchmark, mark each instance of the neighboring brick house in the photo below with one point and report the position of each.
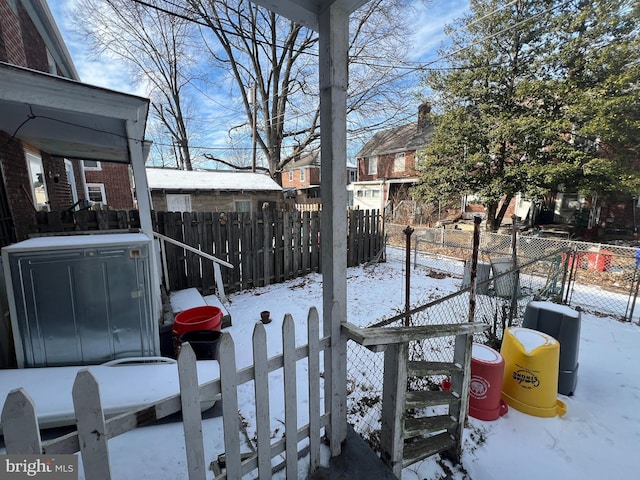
(301, 177)
(33, 179)
(387, 171)
(212, 191)
(386, 164)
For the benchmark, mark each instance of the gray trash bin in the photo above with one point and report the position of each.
(483, 272)
(563, 324)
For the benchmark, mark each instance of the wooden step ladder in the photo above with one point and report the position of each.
(408, 435)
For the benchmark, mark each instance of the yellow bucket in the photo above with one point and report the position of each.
(530, 382)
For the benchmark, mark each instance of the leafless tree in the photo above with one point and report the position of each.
(273, 64)
(157, 47)
(264, 63)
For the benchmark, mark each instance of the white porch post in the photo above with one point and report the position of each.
(334, 50)
(135, 131)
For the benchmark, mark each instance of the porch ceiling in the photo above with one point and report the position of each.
(70, 119)
(306, 12)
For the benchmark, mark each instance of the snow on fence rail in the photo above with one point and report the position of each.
(22, 433)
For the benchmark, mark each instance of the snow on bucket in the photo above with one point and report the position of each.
(487, 371)
(530, 382)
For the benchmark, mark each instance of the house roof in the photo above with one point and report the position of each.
(305, 160)
(172, 179)
(397, 139)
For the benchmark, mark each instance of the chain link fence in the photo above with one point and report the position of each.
(501, 296)
(603, 279)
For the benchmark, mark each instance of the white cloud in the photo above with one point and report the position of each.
(430, 20)
(103, 72)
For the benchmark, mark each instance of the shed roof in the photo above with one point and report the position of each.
(172, 179)
(397, 139)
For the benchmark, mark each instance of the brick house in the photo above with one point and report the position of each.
(386, 164)
(387, 170)
(301, 177)
(33, 178)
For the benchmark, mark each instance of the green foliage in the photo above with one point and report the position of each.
(537, 93)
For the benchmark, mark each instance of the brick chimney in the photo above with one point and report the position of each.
(423, 115)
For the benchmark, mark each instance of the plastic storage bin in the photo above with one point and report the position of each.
(505, 284)
(563, 324)
(485, 389)
(530, 382)
(483, 272)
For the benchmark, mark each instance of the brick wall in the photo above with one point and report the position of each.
(11, 36)
(311, 177)
(117, 184)
(58, 187)
(385, 167)
(34, 47)
(16, 178)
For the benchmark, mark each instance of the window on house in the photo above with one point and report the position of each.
(352, 175)
(37, 180)
(96, 194)
(360, 193)
(243, 206)
(373, 166)
(92, 165)
(302, 175)
(290, 175)
(398, 162)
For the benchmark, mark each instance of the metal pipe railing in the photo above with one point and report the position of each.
(216, 263)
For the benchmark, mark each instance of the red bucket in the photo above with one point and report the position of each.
(198, 318)
(487, 370)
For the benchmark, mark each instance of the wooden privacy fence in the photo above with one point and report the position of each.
(267, 248)
(270, 247)
(22, 434)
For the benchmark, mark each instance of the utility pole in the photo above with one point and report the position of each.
(254, 126)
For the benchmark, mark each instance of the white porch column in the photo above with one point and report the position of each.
(136, 151)
(334, 50)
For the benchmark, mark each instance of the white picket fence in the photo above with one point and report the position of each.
(22, 434)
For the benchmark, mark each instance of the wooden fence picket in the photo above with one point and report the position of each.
(91, 427)
(306, 256)
(22, 435)
(261, 386)
(191, 415)
(229, 391)
(20, 424)
(290, 396)
(313, 334)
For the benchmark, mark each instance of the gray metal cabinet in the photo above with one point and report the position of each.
(80, 300)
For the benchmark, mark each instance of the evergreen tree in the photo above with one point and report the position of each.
(537, 93)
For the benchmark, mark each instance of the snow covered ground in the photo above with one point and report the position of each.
(596, 438)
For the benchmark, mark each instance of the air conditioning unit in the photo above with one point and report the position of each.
(79, 300)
